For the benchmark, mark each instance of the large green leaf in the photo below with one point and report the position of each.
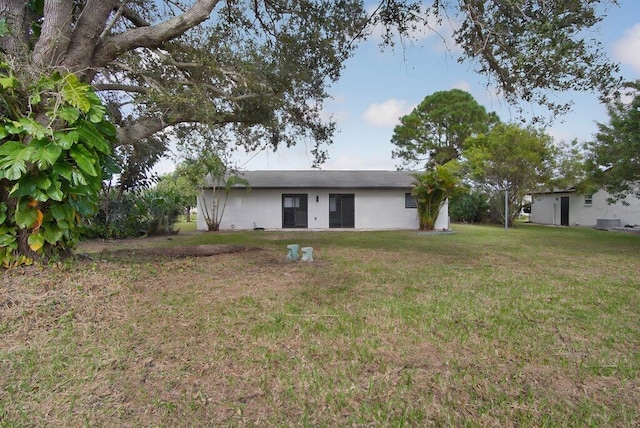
(96, 113)
(85, 206)
(15, 170)
(78, 178)
(63, 169)
(106, 128)
(69, 114)
(33, 128)
(25, 216)
(43, 182)
(92, 138)
(54, 192)
(66, 139)
(35, 241)
(24, 187)
(74, 92)
(40, 195)
(11, 149)
(13, 156)
(51, 233)
(45, 153)
(14, 127)
(62, 212)
(85, 160)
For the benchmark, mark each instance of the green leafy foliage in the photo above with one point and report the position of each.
(433, 133)
(470, 207)
(534, 49)
(258, 71)
(510, 158)
(208, 169)
(614, 162)
(152, 211)
(50, 175)
(178, 183)
(432, 188)
(4, 29)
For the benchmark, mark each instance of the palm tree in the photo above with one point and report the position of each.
(223, 178)
(432, 188)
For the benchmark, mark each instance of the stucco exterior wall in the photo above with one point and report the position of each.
(374, 209)
(545, 209)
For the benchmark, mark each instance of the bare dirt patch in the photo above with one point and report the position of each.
(186, 251)
(158, 246)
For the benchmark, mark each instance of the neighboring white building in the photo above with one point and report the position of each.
(321, 200)
(570, 208)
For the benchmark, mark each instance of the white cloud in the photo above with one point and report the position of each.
(462, 85)
(387, 113)
(627, 48)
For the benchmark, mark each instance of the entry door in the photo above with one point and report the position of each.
(294, 211)
(564, 211)
(341, 211)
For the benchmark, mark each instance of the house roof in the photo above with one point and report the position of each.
(326, 179)
(554, 191)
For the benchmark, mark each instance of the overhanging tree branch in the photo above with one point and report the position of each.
(152, 36)
(120, 87)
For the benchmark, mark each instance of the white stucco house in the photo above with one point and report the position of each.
(321, 200)
(570, 208)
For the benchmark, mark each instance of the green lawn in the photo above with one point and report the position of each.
(536, 327)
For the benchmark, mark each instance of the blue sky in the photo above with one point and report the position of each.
(376, 88)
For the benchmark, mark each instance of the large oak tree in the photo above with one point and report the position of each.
(249, 62)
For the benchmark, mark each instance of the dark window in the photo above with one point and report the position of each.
(342, 211)
(294, 211)
(410, 201)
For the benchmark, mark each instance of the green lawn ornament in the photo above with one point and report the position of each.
(307, 254)
(293, 252)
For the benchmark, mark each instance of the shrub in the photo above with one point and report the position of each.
(469, 208)
(130, 214)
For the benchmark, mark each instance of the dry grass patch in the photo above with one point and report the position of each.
(382, 329)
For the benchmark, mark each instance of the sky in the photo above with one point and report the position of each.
(378, 87)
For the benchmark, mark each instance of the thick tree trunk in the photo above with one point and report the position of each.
(55, 34)
(86, 36)
(14, 11)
